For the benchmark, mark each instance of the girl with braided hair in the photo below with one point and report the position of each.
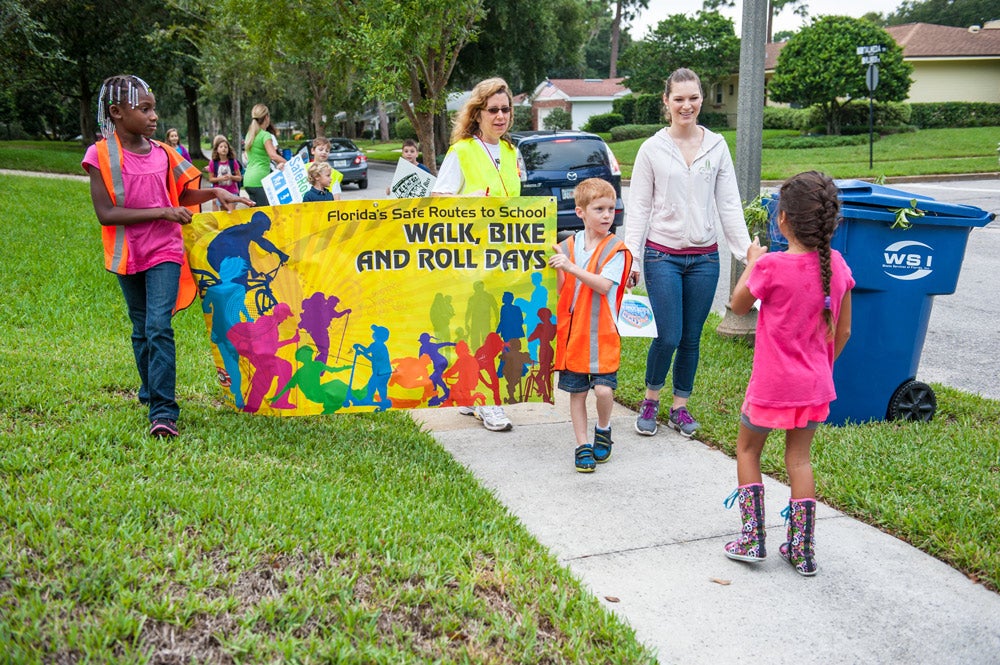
(143, 192)
(804, 323)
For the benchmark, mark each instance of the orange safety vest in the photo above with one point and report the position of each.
(180, 175)
(587, 340)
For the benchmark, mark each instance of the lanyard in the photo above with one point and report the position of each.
(495, 163)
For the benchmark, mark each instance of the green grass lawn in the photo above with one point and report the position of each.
(349, 539)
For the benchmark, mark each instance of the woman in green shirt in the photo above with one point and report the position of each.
(261, 149)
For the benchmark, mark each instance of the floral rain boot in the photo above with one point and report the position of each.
(799, 550)
(749, 546)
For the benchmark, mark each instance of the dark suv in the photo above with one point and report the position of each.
(552, 163)
(345, 157)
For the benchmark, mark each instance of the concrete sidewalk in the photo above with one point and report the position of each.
(648, 529)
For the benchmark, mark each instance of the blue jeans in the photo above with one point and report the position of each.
(150, 297)
(681, 289)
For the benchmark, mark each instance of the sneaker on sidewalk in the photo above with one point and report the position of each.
(467, 410)
(682, 421)
(494, 418)
(645, 424)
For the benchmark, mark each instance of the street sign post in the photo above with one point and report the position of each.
(870, 56)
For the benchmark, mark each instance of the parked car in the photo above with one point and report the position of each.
(553, 162)
(345, 157)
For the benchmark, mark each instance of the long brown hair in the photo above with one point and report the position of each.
(467, 120)
(812, 211)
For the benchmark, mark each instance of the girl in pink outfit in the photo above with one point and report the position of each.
(804, 323)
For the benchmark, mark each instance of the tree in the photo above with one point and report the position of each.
(625, 11)
(410, 49)
(523, 41)
(820, 66)
(706, 43)
(558, 119)
(956, 13)
(774, 7)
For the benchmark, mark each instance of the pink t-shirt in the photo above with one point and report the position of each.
(793, 359)
(145, 177)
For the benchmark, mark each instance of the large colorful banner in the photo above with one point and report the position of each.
(317, 308)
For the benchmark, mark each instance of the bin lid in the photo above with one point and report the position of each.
(865, 199)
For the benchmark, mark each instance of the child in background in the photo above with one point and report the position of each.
(319, 177)
(321, 153)
(410, 151)
(803, 325)
(174, 141)
(143, 191)
(593, 266)
(224, 170)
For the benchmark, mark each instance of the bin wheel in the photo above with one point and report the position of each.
(912, 401)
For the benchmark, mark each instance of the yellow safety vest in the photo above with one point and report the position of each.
(481, 174)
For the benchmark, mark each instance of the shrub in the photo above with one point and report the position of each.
(648, 110)
(522, 119)
(603, 122)
(629, 132)
(558, 119)
(625, 106)
(779, 117)
(403, 129)
(885, 113)
(935, 115)
(713, 120)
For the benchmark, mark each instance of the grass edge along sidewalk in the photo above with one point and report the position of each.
(354, 538)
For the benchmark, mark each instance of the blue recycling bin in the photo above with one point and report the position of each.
(897, 273)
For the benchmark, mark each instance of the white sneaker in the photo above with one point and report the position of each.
(494, 418)
(467, 410)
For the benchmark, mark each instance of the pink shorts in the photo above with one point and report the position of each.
(790, 417)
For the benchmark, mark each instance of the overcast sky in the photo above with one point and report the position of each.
(786, 20)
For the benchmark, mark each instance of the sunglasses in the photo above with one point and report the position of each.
(493, 110)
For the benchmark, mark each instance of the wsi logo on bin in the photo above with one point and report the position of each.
(908, 260)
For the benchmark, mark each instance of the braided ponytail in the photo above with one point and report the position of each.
(809, 201)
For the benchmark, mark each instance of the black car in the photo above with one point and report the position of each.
(345, 157)
(551, 164)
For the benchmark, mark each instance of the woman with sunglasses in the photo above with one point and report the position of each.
(482, 161)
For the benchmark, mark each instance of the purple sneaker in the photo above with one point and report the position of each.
(645, 424)
(682, 421)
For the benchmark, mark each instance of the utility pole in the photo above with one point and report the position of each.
(749, 135)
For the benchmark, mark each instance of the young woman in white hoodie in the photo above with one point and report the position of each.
(683, 193)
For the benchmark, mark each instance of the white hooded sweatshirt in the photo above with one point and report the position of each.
(680, 206)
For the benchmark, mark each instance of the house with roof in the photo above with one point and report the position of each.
(581, 98)
(949, 65)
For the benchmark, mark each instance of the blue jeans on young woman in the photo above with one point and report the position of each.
(681, 289)
(150, 296)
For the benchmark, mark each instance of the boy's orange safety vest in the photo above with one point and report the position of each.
(587, 340)
(180, 176)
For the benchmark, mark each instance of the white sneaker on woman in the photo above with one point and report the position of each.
(494, 418)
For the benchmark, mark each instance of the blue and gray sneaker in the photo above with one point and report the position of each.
(645, 424)
(682, 421)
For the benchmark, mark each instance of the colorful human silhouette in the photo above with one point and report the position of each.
(412, 375)
(511, 324)
(225, 302)
(377, 354)
(480, 313)
(259, 341)
(236, 241)
(531, 307)
(515, 365)
(465, 372)
(441, 315)
(318, 312)
(543, 334)
(487, 356)
(439, 364)
(307, 379)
